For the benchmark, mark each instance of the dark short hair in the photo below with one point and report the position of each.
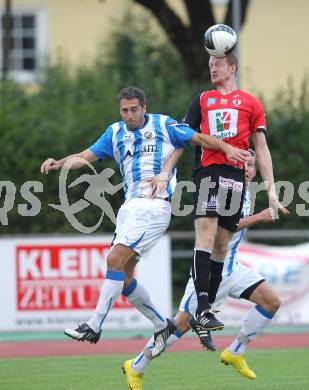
(132, 92)
(232, 59)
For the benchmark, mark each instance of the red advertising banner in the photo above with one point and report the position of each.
(61, 277)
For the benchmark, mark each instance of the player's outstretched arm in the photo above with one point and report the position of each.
(75, 161)
(266, 168)
(209, 142)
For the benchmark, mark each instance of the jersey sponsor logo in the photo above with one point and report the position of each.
(144, 150)
(230, 184)
(148, 149)
(223, 123)
(211, 205)
(211, 101)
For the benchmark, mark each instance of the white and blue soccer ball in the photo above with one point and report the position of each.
(219, 40)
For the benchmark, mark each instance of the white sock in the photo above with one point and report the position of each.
(257, 319)
(110, 292)
(139, 297)
(142, 361)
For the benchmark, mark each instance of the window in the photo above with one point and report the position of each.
(219, 2)
(28, 43)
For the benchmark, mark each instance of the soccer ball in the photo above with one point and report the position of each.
(219, 40)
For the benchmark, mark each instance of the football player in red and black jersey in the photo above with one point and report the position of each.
(233, 116)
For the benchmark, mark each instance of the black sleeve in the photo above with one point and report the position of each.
(261, 130)
(194, 116)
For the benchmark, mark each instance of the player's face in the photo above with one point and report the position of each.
(220, 70)
(132, 113)
(250, 169)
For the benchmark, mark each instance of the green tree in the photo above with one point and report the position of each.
(188, 38)
(70, 110)
(288, 137)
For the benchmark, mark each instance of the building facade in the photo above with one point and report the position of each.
(273, 42)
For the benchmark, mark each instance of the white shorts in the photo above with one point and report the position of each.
(141, 223)
(231, 286)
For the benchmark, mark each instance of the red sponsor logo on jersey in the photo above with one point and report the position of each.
(60, 277)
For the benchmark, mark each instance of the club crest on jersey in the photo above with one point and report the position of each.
(211, 101)
(236, 102)
(148, 134)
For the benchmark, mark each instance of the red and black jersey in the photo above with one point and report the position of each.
(232, 118)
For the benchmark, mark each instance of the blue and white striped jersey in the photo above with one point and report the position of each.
(231, 257)
(141, 153)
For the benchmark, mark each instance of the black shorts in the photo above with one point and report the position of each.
(247, 293)
(220, 191)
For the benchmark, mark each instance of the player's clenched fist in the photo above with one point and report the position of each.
(267, 215)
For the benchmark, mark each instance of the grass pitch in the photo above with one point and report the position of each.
(282, 369)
